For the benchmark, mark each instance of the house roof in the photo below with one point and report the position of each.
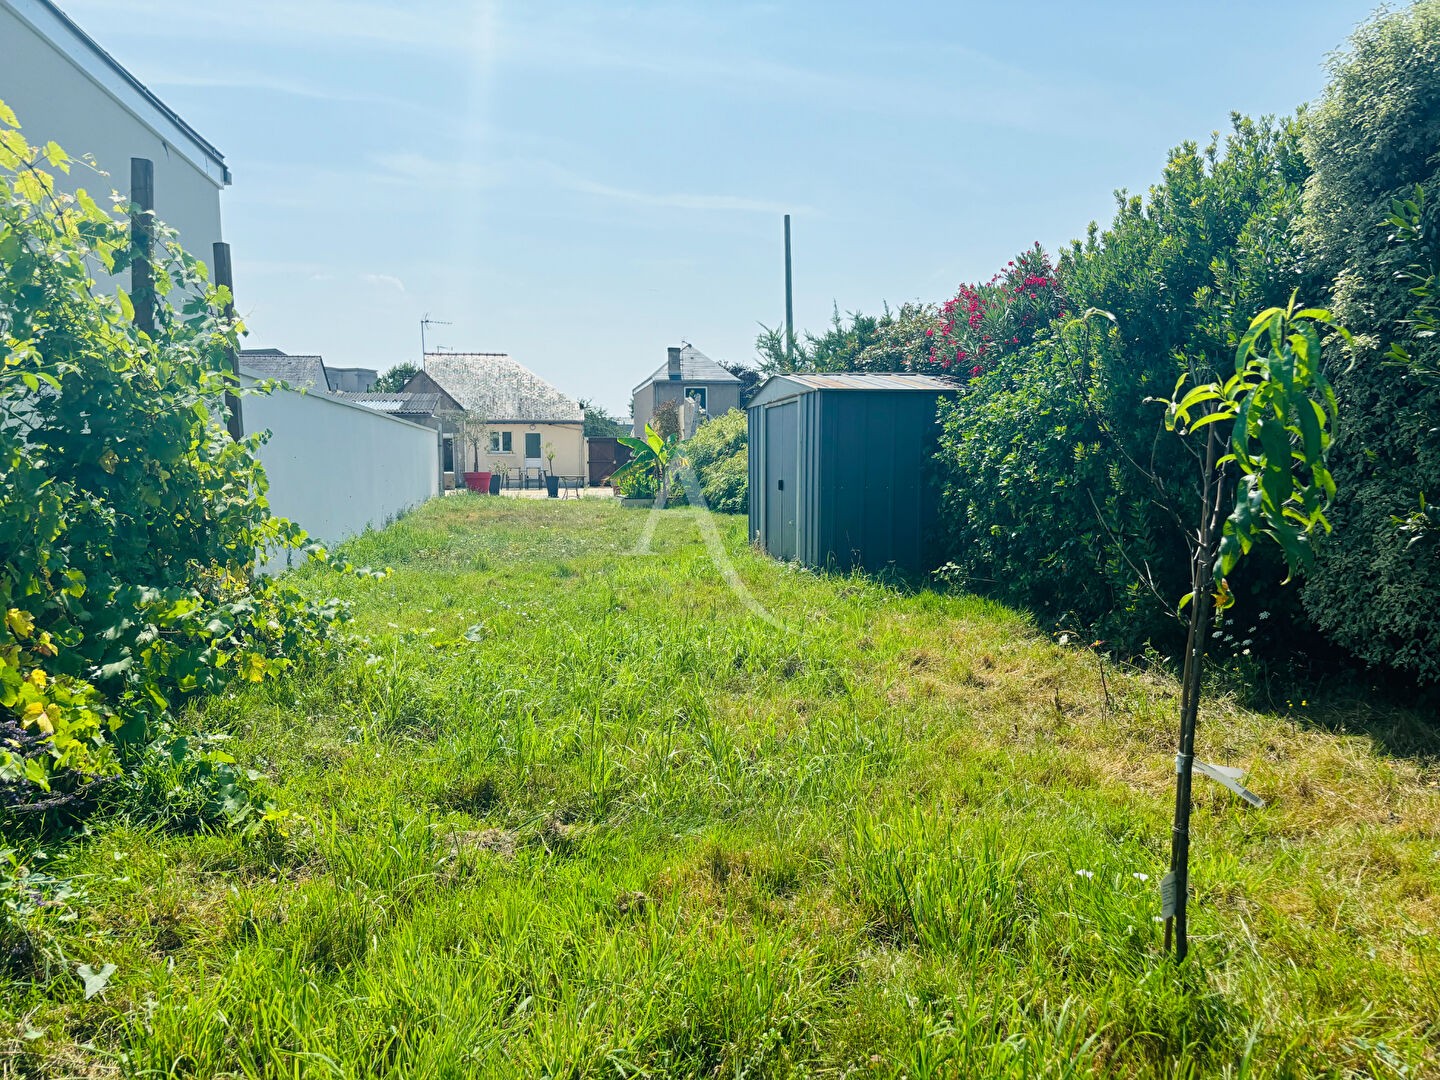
(402, 404)
(61, 31)
(301, 372)
(695, 367)
(497, 388)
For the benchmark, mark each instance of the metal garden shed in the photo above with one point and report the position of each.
(840, 468)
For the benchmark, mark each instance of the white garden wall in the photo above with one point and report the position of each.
(336, 468)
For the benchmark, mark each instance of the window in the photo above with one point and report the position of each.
(500, 442)
(532, 445)
(697, 395)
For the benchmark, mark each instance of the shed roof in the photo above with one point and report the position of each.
(695, 366)
(403, 404)
(782, 386)
(498, 388)
(301, 372)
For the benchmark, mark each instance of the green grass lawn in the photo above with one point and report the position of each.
(633, 830)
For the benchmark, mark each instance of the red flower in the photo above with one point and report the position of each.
(976, 371)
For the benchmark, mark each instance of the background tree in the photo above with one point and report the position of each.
(600, 423)
(1371, 140)
(394, 380)
(666, 420)
(750, 377)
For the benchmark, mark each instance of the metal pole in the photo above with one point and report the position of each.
(142, 243)
(789, 302)
(225, 276)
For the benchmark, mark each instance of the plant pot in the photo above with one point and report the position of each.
(552, 486)
(478, 481)
(494, 483)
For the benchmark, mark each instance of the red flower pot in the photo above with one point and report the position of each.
(478, 481)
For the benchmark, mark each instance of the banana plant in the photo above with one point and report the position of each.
(653, 454)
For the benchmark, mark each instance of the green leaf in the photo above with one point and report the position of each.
(95, 981)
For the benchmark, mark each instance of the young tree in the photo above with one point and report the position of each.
(1263, 473)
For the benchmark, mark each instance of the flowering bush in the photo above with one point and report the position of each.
(983, 322)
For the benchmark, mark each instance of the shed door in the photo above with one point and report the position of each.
(781, 468)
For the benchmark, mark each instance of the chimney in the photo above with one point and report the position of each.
(674, 361)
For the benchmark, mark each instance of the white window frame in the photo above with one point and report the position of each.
(502, 442)
(703, 400)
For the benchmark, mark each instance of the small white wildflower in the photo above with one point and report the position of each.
(1085, 873)
(1140, 877)
(1157, 918)
(1264, 614)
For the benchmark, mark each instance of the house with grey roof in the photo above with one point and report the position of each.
(688, 375)
(513, 420)
(299, 372)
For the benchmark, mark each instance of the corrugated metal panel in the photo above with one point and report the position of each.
(877, 381)
(862, 467)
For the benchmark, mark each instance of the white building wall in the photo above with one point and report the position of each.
(60, 91)
(335, 468)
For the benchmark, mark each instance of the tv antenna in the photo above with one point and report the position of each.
(426, 322)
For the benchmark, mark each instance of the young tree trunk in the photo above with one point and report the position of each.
(1201, 607)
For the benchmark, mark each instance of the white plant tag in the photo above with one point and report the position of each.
(1167, 896)
(1230, 778)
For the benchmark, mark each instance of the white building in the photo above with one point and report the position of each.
(64, 87)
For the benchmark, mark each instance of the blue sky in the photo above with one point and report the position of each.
(581, 185)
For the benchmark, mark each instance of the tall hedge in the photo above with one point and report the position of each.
(1373, 136)
(1061, 491)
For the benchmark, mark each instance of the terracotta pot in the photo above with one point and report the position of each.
(478, 481)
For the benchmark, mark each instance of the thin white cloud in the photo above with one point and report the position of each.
(251, 81)
(427, 27)
(385, 281)
(679, 200)
(421, 170)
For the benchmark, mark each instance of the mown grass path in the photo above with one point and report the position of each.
(622, 827)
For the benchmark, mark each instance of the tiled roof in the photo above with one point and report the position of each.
(695, 366)
(401, 404)
(301, 372)
(495, 387)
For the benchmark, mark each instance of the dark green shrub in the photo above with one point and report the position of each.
(1374, 136)
(1058, 493)
(718, 453)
